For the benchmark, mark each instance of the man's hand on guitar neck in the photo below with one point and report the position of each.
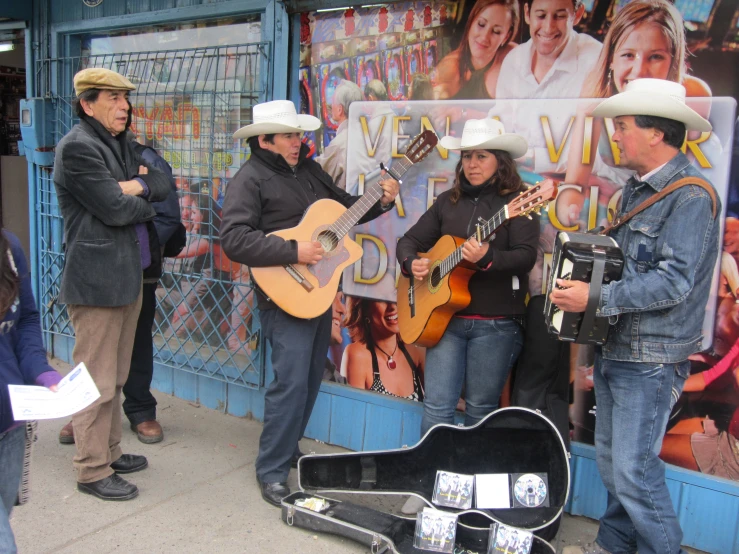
(390, 188)
(570, 296)
(309, 252)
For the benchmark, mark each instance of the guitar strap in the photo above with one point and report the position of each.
(669, 189)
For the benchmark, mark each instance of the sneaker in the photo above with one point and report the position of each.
(412, 506)
(590, 548)
(66, 435)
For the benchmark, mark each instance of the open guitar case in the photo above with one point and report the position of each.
(509, 440)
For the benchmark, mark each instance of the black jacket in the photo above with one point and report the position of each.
(102, 254)
(501, 289)
(266, 195)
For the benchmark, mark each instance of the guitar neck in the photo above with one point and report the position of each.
(486, 230)
(371, 195)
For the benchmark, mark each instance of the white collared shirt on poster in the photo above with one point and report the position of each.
(564, 79)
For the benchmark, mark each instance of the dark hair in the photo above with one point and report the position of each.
(90, 95)
(674, 131)
(253, 142)
(506, 178)
(356, 311)
(9, 279)
(202, 193)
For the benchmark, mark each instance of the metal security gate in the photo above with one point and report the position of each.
(187, 105)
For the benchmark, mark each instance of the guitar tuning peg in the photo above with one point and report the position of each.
(528, 215)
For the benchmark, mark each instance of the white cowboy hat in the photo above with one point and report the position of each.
(277, 116)
(486, 134)
(656, 97)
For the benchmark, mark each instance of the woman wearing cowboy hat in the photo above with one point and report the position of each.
(482, 341)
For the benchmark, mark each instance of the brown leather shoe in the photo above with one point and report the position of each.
(149, 432)
(66, 435)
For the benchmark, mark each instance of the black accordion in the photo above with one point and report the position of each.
(595, 259)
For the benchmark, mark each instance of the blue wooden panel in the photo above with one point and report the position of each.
(212, 393)
(186, 385)
(412, 425)
(163, 379)
(588, 496)
(382, 428)
(348, 417)
(239, 400)
(708, 518)
(319, 425)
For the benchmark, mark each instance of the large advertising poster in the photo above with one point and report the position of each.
(539, 67)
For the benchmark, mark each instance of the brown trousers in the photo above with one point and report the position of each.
(104, 342)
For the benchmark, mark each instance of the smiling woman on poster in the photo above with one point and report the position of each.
(471, 71)
(646, 40)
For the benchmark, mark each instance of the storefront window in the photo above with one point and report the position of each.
(196, 84)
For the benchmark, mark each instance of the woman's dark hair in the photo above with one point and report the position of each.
(674, 131)
(90, 95)
(506, 179)
(9, 280)
(357, 309)
(202, 192)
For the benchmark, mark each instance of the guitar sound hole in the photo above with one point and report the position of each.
(435, 277)
(328, 240)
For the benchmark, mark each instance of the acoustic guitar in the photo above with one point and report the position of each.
(307, 291)
(425, 307)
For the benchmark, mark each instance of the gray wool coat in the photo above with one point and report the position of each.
(102, 255)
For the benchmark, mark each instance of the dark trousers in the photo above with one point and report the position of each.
(299, 348)
(542, 379)
(139, 404)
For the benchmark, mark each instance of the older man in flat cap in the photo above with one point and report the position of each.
(105, 191)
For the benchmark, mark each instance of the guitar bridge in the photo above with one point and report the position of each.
(295, 274)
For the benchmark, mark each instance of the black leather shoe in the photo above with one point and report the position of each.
(294, 460)
(274, 492)
(110, 488)
(128, 463)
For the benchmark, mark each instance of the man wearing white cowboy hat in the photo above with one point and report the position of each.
(657, 310)
(271, 192)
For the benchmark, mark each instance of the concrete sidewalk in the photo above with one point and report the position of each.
(199, 494)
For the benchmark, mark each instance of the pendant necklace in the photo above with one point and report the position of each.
(391, 363)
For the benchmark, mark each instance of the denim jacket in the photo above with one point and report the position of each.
(670, 252)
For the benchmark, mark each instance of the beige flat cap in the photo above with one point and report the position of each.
(96, 77)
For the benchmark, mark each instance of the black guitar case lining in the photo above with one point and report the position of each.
(509, 440)
(380, 531)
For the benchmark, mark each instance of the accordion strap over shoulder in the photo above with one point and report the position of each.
(618, 221)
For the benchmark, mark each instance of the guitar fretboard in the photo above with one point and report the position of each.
(486, 229)
(371, 195)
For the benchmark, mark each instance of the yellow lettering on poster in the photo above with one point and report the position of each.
(431, 189)
(360, 238)
(695, 149)
(593, 211)
(396, 134)
(613, 204)
(587, 140)
(554, 153)
(368, 143)
(553, 209)
(610, 130)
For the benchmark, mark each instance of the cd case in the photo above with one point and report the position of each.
(530, 490)
(453, 490)
(435, 531)
(509, 540)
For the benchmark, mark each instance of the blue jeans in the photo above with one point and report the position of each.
(299, 349)
(477, 353)
(12, 445)
(633, 402)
